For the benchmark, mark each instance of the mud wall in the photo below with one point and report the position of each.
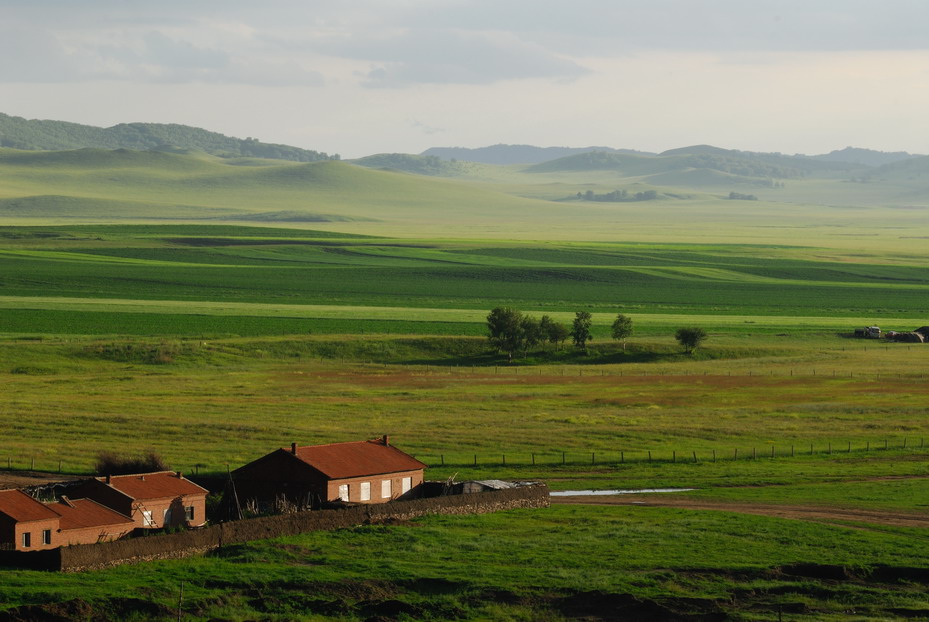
(194, 542)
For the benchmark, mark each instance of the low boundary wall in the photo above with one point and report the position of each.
(194, 542)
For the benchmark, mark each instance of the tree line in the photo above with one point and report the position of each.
(513, 332)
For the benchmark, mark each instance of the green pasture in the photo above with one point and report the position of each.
(274, 273)
(555, 564)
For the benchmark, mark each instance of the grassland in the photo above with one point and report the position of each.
(212, 343)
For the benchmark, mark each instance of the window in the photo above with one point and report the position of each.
(168, 518)
(189, 513)
(385, 489)
(27, 540)
(46, 536)
(147, 518)
(365, 491)
(343, 492)
(407, 484)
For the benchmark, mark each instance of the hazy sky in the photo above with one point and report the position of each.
(358, 77)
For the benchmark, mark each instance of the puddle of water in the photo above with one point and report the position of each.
(593, 493)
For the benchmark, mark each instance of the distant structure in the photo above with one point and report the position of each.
(371, 471)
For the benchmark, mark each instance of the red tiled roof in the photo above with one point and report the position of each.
(22, 508)
(357, 459)
(87, 513)
(161, 485)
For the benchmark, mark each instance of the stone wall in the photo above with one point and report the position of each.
(194, 542)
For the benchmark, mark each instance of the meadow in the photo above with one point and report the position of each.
(214, 310)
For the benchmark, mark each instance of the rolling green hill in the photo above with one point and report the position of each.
(19, 133)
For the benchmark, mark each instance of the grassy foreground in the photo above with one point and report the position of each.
(554, 564)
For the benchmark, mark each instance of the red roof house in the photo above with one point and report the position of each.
(361, 472)
(84, 521)
(26, 524)
(151, 500)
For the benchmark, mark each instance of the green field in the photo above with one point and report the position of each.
(212, 310)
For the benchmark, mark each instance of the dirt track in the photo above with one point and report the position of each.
(799, 512)
(21, 479)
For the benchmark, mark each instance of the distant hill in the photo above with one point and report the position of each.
(866, 157)
(516, 154)
(741, 164)
(19, 133)
(418, 164)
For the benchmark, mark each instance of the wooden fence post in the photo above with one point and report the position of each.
(695, 456)
(714, 455)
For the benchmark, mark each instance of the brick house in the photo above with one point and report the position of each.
(151, 500)
(84, 521)
(371, 471)
(26, 524)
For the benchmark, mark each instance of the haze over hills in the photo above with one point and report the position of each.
(516, 154)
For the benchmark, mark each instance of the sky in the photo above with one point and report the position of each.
(358, 77)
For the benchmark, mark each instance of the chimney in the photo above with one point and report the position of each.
(293, 448)
(386, 440)
(109, 478)
(180, 475)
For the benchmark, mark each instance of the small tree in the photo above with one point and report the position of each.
(556, 332)
(531, 333)
(622, 328)
(580, 329)
(690, 338)
(504, 330)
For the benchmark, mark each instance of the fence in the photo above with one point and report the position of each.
(577, 457)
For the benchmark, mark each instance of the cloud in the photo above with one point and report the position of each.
(451, 57)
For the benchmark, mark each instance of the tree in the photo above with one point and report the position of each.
(531, 332)
(504, 330)
(580, 329)
(554, 332)
(690, 338)
(622, 328)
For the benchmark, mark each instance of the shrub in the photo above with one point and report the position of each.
(111, 463)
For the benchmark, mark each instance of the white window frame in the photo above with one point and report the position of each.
(147, 519)
(343, 492)
(46, 536)
(386, 489)
(406, 485)
(365, 491)
(27, 539)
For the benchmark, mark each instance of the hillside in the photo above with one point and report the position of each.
(19, 133)
(94, 184)
(515, 154)
(702, 157)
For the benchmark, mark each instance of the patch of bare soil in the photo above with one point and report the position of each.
(799, 512)
(22, 479)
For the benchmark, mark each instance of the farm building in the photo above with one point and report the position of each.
(26, 524)
(152, 500)
(84, 521)
(371, 471)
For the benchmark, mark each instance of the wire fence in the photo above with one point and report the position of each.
(574, 457)
(567, 457)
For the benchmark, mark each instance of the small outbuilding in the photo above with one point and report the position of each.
(84, 521)
(371, 471)
(151, 500)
